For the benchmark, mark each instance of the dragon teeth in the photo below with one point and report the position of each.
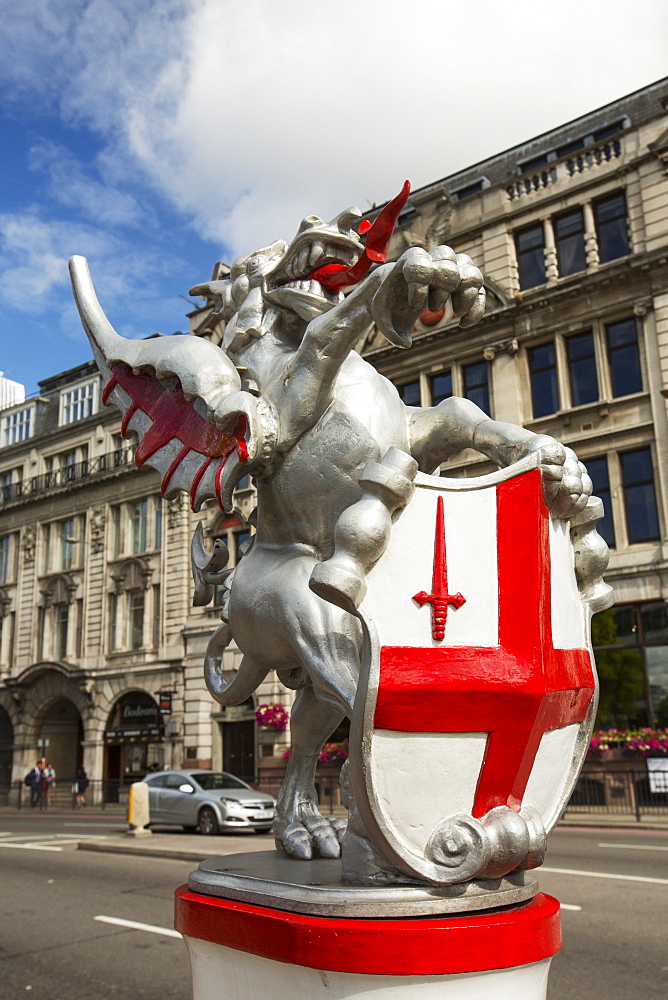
(316, 253)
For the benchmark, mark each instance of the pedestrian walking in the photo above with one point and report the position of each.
(34, 782)
(48, 783)
(79, 786)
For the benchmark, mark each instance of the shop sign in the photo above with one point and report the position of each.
(165, 702)
(125, 735)
(658, 774)
(134, 713)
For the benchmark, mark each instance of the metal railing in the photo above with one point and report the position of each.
(618, 793)
(67, 475)
(603, 793)
(100, 794)
(326, 786)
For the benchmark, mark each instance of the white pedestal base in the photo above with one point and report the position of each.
(240, 951)
(221, 973)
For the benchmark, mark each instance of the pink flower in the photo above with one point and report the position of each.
(272, 717)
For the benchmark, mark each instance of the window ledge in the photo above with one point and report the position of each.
(600, 405)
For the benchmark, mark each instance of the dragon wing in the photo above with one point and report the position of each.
(182, 397)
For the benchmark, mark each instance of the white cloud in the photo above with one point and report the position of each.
(72, 187)
(34, 278)
(248, 116)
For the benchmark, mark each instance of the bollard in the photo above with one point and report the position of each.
(138, 810)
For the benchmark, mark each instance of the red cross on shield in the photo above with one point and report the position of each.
(489, 709)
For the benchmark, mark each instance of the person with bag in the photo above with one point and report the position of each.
(33, 780)
(79, 786)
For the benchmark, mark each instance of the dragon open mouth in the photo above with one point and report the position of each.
(323, 263)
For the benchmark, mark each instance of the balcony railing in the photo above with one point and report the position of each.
(585, 159)
(67, 476)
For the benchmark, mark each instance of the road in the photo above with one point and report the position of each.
(54, 947)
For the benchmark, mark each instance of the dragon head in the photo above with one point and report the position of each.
(305, 277)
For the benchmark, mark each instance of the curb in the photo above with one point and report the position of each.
(169, 853)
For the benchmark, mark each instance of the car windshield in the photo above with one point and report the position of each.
(217, 779)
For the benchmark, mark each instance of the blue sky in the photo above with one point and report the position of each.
(158, 136)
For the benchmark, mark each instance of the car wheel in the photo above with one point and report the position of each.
(207, 824)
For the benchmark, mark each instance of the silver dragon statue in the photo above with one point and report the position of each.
(333, 452)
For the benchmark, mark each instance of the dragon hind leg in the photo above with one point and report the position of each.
(299, 828)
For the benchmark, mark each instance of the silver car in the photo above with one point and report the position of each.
(208, 801)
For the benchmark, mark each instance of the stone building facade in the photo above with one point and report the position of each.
(100, 650)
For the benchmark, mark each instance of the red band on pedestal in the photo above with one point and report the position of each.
(395, 947)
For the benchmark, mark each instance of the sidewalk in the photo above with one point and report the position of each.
(185, 847)
(179, 846)
(614, 821)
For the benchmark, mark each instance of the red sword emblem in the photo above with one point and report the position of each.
(440, 598)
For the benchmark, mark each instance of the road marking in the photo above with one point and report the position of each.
(135, 925)
(60, 842)
(636, 847)
(30, 847)
(570, 906)
(623, 878)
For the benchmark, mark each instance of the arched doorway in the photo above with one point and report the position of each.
(133, 741)
(60, 737)
(6, 754)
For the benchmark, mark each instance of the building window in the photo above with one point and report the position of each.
(136, 618)
(441, 387)
(476, 384)
(543, 374)
(234, 535)
(527, 166)
(78, 403)
(157, 522)
(470, 189)
(138, 514)
(67, 543)
(68, 464)
(569, 239)
(530, 245)
(78, 645)
(239, 540)
(598, 472)
(631, 645)
(611, 227)
(113, 622)
(116, 531)
(17, 426)
(11, 483)
(61, 618)
(410, 393)
(642, 519)
(7, 559)
(41, 628)
(624, 358)
(156, 615)
(582, 368)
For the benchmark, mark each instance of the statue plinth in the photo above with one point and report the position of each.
(264, 926)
